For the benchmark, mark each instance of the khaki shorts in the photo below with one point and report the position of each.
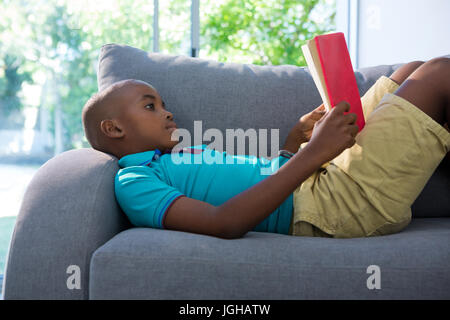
(368, 189)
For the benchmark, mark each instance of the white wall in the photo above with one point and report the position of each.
(394, 31)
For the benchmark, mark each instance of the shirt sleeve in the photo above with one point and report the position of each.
(143, 196)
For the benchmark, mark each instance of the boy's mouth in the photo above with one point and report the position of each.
(172, 126)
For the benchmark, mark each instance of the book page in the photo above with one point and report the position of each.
(315, 68)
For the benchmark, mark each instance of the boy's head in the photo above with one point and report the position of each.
(128, 117)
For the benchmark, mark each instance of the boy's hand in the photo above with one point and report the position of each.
(301, 132)
(334, 132)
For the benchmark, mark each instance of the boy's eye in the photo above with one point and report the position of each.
(152, 106)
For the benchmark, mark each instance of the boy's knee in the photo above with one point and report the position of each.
(437, 71)
(442, 59)
(417, 63)
(402, 73)
(441, 64)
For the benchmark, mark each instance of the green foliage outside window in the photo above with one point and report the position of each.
(265, 32)
(54, 44)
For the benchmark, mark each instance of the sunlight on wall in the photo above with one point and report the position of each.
(20, 141)
(13, 184)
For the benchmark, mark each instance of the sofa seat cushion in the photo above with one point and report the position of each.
(142, 263)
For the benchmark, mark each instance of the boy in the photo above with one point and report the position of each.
(339, 185)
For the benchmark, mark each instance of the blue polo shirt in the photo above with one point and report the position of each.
(149, 182)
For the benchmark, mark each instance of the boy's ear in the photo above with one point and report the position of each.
(112, 129)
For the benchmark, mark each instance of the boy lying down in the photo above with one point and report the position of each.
(340, 184)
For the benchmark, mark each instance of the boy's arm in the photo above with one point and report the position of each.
(234, 218)
(302, 130)
(243, 212)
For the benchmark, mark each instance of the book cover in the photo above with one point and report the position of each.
(331, 68)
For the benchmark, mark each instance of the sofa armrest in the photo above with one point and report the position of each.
(68, 211)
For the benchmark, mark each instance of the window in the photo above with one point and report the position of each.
(48, 63)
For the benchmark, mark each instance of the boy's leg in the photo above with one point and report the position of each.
(369, 188)
(369, 102)
(385, 85)
(428, 88)
(402, 73)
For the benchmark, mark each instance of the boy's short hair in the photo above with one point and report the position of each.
(91, 118)
(99, 107)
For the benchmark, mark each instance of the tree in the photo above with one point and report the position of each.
(60, 40)
(67, 41)
(13, 73)
(263, 31)
(11, 84)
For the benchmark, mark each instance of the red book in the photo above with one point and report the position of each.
(331, 68)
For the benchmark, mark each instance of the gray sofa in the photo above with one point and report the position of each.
(69, 215)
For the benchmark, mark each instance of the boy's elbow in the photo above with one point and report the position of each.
(226, 226)
(231, 235)
(230, 232)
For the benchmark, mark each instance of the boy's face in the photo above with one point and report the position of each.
(146, 123)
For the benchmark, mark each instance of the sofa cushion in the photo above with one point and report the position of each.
(144, 263)
(231, 96)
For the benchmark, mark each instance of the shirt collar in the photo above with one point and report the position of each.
(144, 158)
(139, 159)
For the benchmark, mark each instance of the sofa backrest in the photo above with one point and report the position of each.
(232, 95)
